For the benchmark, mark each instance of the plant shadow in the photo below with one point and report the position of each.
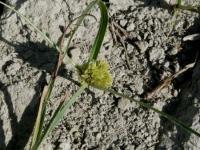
(157, 4)
(39, 56)
(2, 137)
(21, 130)
(183, 106)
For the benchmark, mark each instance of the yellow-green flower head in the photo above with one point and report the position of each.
(96, 74)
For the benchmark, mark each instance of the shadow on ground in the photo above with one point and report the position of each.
(183, 107)
(40, 56)
(43, 58)
(21, 130)
(156, 4)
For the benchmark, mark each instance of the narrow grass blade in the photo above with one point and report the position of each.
(37, 125)
(78, 23)
(58, 115)
(178, 2)
(189, 8)
(28, 21)
(46, 99)
(165, 115)
(101, 32)
(37, 132)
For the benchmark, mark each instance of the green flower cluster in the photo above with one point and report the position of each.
(96, 74)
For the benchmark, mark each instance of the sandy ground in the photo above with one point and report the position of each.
(149, 47)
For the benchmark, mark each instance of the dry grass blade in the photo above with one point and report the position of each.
(192, 37)
(37, 126)
(167, 81)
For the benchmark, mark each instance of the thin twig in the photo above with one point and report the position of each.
(37, 127)
(167, 81)
(115, 30)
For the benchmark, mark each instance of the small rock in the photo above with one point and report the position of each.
(130, 48)
(123, 22)
(47, 146)
(13, 68)
(121, 16)
(65, 146)
(146, 35)
(176, 66)
(166, 64)
(156, 54)
(139, 38)
(150, 22)
(173, 51)
(175, 93)
(124, 103)
(151, 43)
(98, 136)
(142, 45)
(130, 27)
(141, 16)
(138, 85)
(130, 147)
(75, 54)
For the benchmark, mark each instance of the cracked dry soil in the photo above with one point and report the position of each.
(143, 45)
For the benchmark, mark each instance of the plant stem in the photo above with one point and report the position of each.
(189, 8)
(101, 32)
(58, 115)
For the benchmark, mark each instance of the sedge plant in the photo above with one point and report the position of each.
(93, 73)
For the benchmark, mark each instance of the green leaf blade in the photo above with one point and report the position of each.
(58, 115)
(101, 32)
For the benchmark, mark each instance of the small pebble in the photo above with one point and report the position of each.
(173, 51)
(175, 93)
(130, 27)
(156, 54)
(166, 64)
(123, 22)
(13, 68)
(65, 146)
(123, 104)
(176, 67)
(142, 45)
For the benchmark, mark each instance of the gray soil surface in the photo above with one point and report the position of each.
(148, 48)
